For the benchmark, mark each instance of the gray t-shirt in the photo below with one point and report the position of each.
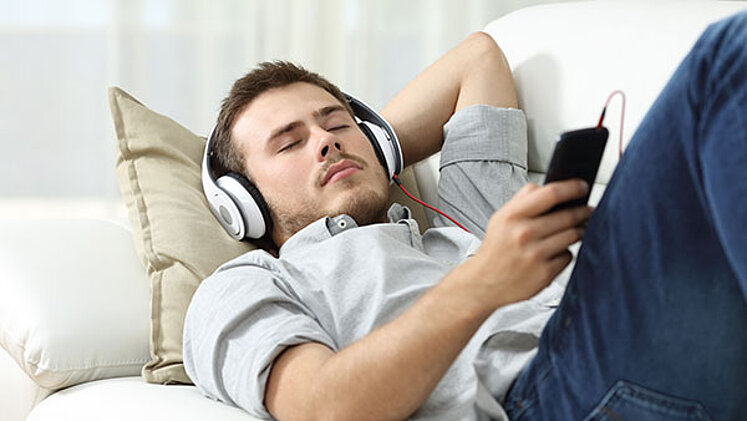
(334, 282)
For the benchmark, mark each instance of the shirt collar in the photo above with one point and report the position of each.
(327, 227)
(398, 212)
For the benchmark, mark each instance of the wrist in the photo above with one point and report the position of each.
(466, 294)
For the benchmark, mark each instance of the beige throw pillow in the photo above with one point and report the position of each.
(176, 237)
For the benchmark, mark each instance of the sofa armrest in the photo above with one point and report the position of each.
(18, 393)
(73, 300)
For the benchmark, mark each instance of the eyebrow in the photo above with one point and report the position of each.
(320, 113)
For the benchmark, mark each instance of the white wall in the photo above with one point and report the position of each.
(180, 57)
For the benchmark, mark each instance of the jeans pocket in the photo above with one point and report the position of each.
(627, 401)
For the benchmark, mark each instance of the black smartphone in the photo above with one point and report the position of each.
(577, 154)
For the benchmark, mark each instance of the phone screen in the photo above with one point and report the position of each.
(577, 154)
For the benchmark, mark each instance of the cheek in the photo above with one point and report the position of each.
(370, 156)
(362, 148)
(287, 182)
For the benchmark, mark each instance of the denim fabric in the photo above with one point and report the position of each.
(653, 325)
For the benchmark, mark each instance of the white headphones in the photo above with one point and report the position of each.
(239, 206)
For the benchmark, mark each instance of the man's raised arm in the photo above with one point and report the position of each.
(473, 72)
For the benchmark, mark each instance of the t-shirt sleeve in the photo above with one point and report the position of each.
(240, 319)
(483, 164)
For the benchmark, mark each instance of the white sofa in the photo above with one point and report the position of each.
(55, 273)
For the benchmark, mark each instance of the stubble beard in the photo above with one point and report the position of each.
(366, 205)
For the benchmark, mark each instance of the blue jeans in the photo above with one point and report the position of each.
(653, 324)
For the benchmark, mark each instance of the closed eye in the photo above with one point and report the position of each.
(338, 128)
(289, 146)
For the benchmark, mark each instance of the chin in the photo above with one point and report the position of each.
(366, 205)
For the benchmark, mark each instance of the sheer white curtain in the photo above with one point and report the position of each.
(180, 57)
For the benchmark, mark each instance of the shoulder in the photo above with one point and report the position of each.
(252, 275)
(255, 258)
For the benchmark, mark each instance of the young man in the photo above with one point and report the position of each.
(360, 317)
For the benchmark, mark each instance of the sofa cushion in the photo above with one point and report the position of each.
(130, 398)
(73, 301)
(18, 393)
(567, 57)
(176, 237)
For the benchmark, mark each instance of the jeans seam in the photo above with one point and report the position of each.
(646, 398)
(524, 403)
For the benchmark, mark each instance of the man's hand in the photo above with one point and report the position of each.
(525, 248)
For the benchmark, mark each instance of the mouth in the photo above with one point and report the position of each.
(339, 171)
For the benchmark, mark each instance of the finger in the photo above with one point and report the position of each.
(559, 262)
(518, 197)
(552, 223)
(559, 242)
(542, 199)
(528, 187)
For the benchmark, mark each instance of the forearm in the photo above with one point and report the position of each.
(391, 372)
(473, 72)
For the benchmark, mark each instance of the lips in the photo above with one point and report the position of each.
(343, 167)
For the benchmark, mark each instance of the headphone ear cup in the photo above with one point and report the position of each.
(375, 144)
(253, 217)
(380, 134)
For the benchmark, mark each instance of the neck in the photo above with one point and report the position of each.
(280, 237)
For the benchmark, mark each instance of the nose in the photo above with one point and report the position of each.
(329, 145)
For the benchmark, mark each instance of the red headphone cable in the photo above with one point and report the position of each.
(395, 178)
(396, 181)
(622, 118)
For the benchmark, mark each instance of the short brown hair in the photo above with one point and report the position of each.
(267, 75)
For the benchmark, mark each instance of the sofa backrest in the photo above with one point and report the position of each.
(568, 57)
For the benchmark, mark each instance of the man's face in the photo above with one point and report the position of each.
(309, 159)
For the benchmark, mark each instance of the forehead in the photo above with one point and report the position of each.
(277, 107)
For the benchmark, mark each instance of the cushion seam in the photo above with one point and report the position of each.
(135, 188)
(151, 257)
(37, 363)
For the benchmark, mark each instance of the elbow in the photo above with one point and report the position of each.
(483, 44)
(336, 410)
(484, 51)
(342, 411)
